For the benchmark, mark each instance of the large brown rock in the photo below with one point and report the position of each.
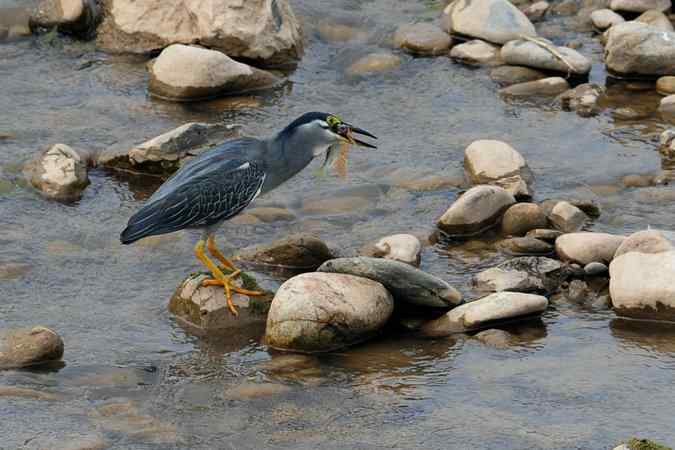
(320, 312)
(263, 30)
(184, 73)
(24, 347)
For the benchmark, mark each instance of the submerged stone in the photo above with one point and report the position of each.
(24, 347)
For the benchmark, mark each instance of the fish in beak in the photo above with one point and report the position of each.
(347, 131)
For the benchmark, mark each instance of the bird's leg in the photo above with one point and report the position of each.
(211, 245)
(218, 275)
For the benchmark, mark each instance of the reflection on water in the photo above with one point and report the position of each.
(578, 379)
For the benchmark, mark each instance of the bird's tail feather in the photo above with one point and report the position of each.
(141, 224)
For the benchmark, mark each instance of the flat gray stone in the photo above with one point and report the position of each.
(523, 274)
(406, 283)
(530, 54)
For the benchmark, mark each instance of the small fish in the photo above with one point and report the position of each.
(336, 156)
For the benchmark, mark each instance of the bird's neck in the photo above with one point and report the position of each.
(285, 157)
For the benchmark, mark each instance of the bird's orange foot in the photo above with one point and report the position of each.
(226, 282)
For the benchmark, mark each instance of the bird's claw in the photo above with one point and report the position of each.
(226, 283)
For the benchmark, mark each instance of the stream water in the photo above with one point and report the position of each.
(579, 379)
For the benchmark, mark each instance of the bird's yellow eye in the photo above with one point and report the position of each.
(333, 121)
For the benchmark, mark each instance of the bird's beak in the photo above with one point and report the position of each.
(346, 131)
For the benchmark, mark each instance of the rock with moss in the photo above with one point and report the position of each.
(59, 173)
(641, 444)
(203, 309)
(24, 347)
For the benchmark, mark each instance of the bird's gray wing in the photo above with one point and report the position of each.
(214, 195)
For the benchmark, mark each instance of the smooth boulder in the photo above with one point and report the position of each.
(486, 312)
(536, 274)
(496, 162)
(496, 21)
(476, 53)
(566, 217)
(641, 285)
(646, 241)
(405, 248)
(203, 309)
(25, 347)
(422, 39)
(320, 312)
(639, 5)
(546, 87)
(510, 75)
(59, 173)
(656, 19)
(584, 248)
(297, 252)
(635, 48)
(478, 209)
(406, 283)
(525, 246)
(521, 218)
(603, 19)
(531, 54)
(666, 85)
(261, 30)
(186, 73)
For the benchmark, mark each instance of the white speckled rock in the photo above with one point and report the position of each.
(320, 312)
(476, 53)
(535, 274)
(603, 19)
(641, 285)
(637, 48)
(584, 248)
(639, 5)
(529, 54)
(567, 217)
(405, 248)
(483, 313)
(546, 87)
(186, 73)
(496, 21)
(646, 241)
(422, 39)
(496, 162)
(59, 173)
(259, 30)
(479, 209)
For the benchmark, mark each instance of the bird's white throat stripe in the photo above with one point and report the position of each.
(243, 166)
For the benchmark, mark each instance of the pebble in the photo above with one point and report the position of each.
(476, 53)
(479, 209)
(495, 338)
(567, 217)
(59, 173)
(521, 218)
(509, 75)
(595, 269)
(405, 248)
(545, 234)
(605, 18)
(546, 87)
(526, 246)
(24, 347)
(422, 39)
(666, 85)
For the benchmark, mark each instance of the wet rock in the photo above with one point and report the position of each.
(73, 16)
(531, 54)
(73, 441)
(641, 444)
(373, 64)
(340, 32)
(588, 207)
(667, 104)
(406, 283)
(637, 48)
(14, 23)
(578, 291)
(567, 217)
(476, 53)
(485, 312)
(24, 347)
(656, 19)
(319, 312)
(526, 246)
(496, 21)
(495, 338)
(14, 391)
(422, 39)
(248, 390)
(11, 271)
(639, 5)
(595, 269)
(521, 218)
(666, 85)
(269, 214)
(632, 181)
(405, 248)
(259, 30)
(565, 7)
(509, 75)
(298, 251)
(546, 87)
(185, 73)
(646, 241)
(641, 285)
(203, 310)
(583, 99)
(523, 274)
(585, 248)
(537, 10)
(479, 209)
(545, 234)
(605, 18)
(497, 163)
(59, 173)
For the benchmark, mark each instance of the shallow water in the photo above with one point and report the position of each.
(578, 379)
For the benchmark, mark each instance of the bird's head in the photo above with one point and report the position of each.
(319, 131)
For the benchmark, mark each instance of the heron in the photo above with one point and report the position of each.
(220, 183)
